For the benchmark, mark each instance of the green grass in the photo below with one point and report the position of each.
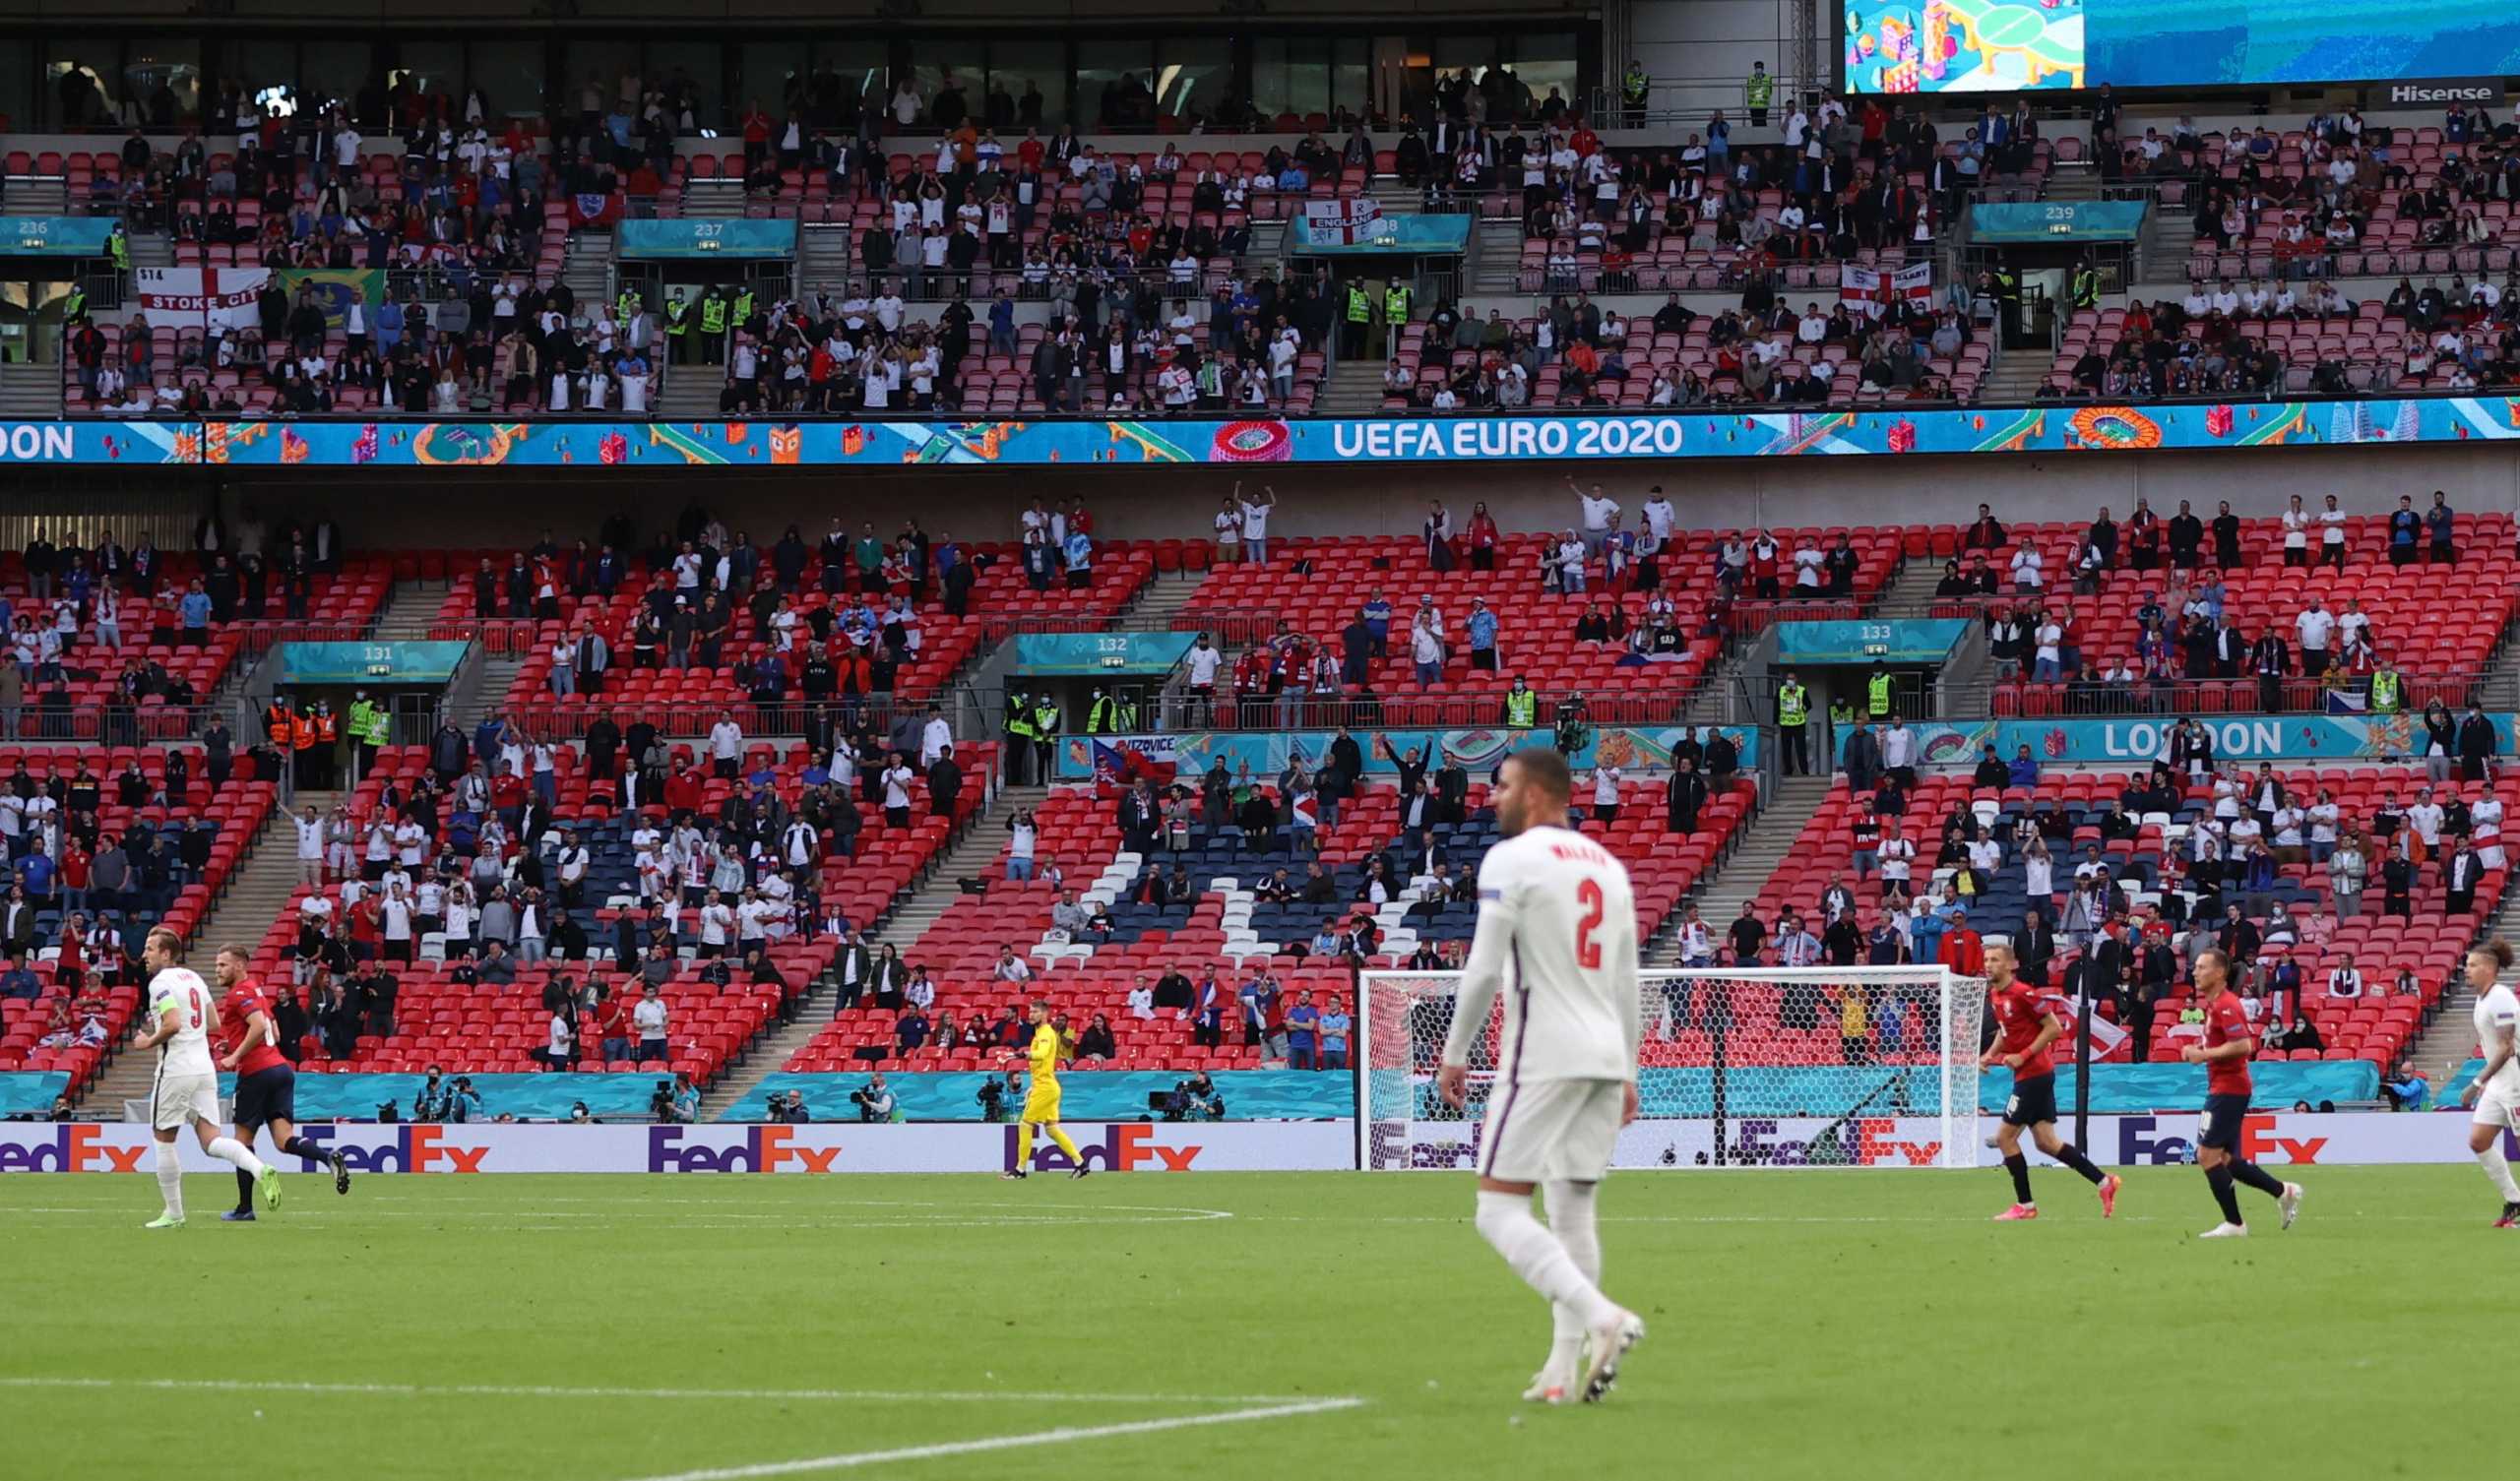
(1803, 1324)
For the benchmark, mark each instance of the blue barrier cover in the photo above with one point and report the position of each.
(25, 1090)
(1084, 1094)
(2182, 1087)
(528, 1097)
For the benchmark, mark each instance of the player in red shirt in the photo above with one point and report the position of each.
(2229, 1042)
(2024, 1031)
(266, 1082)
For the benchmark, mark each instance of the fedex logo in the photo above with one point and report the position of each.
(415, 1148)
(74, 1148)
(1447, 1155)
(1874, 1146)
(1127, 1147)
(1866, 1143)
(2137, 1145)
(764, 1148)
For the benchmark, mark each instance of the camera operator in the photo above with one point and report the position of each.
(1197, 1099)
(875, 1102)
(463, 1103)
(661, 1101)
(998, 1096)
(789, 1108)
(430, 1103)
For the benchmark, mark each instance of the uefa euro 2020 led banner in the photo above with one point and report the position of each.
(1882, 432)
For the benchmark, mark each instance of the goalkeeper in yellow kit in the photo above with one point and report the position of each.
(1041, 1100)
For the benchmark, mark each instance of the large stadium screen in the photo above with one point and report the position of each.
(2017, 45)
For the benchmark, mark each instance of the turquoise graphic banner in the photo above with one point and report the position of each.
(2136, 742)
(1436, 235)
(55, 235)
(528, 1097)
(2182, 1087)
(1427, 440)
(1898, 641)
(30, 1092)
(1267, 752)
(1084, 1094)
(1038, 653)
(701, 239)
(369, 662)
(2057, 220)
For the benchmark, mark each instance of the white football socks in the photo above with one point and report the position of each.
(2497, 1170)
(170, 1179)
(1570, 1218)
(1540, 1257)
(237, 1155)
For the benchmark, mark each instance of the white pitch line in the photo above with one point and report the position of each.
(778, 1396)
(852, 1460)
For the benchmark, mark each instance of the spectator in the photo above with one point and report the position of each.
(650, 1017)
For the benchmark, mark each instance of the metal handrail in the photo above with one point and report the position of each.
(2496, 690)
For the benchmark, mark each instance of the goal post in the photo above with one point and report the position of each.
(1750, 1067)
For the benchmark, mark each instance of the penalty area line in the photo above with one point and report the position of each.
(852, 1460)
(538, 1391)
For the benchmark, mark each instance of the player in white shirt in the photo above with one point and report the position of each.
(1558, 908)
(182, 1016)
(2495, 1092)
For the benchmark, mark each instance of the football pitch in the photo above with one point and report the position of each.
(1822, 1324)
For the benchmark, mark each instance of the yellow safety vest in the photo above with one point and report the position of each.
(1791, 705)
(1879, 691)
(1358, 310)
(1394, 306)
(2386, 692)
(1522, 709)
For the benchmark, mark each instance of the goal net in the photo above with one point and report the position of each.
(1786, 1067)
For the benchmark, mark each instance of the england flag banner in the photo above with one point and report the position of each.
(1341, 222)
(201, 297)
(1870, 290)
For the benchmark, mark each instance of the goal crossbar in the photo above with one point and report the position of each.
(1739, 1066)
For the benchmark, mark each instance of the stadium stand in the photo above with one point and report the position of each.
(450, 1009)
(1536, 627)
(154, 817)
(2143, 636)
(2149, 855)
(1238, 917)
(767, 640)
(135, 663)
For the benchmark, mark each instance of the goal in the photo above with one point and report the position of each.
(1786, 1067)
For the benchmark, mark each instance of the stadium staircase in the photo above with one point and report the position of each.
(1166, 594)
(258, 893)
(1496, 264)
(824, 256)
(29, 393)
(1765, 842)
(2451, 1037)
(151, 249)
(37, 195)
(1354, 388)
(2013, 379)
(971, 855)
(718, 200)
(587, 268)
